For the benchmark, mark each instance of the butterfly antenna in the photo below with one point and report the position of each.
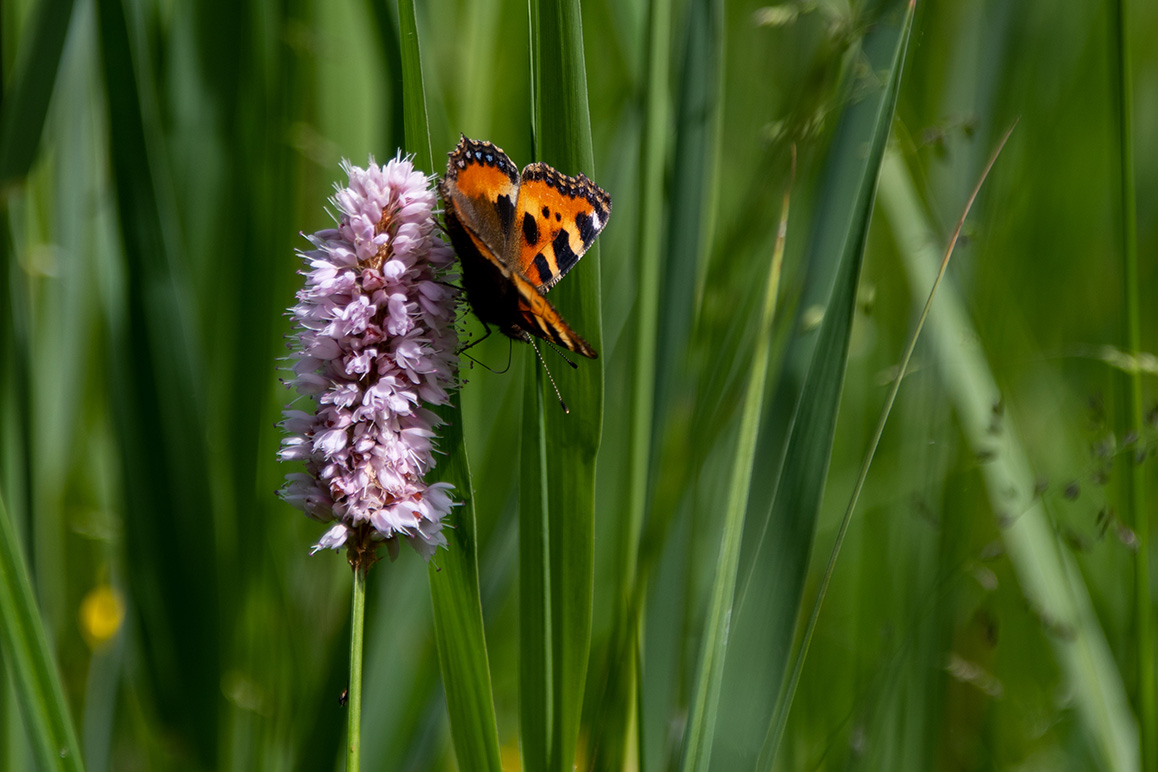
(550, 377)
(566, 358)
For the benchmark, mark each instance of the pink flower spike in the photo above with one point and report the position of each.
(374, 337)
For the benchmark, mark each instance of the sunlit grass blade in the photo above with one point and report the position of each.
(29, 659)
(537, 702)
(458, 621)
(30, 86)
(1133, 486)
(1052, 583)
(414, 121)
(779, 533)
(789, 693)
(559, 480)
(157, 378)
(700, 731)
(453, 574)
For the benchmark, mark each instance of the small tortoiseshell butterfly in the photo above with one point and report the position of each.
(516, 236)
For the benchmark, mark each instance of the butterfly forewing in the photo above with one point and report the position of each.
(482, 187)
(556, 221)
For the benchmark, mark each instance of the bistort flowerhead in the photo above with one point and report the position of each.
(374, 340)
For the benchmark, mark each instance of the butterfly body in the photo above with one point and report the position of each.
(516, 236)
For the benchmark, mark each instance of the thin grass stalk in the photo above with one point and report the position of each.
(1053, 585)
(785, 703)
(701, 726)
(1134, 487)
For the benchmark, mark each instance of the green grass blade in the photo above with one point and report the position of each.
(453, 574)
(390, 42)
(649, 238)
(777, 730)
(156, 382)
(779, 538)
(563, 563)
(687, 240)
(705, 702)
(415, 123)
(1051, 581)
(15, 388)
(693, 187)
(29, 661)
(1133, 487)
(537, 703)
(612, 714)
(458, 620)
(30, 87)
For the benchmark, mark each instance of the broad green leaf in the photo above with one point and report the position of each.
(559, 480)
(454, 588)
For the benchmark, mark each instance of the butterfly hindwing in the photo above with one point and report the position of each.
(540, 318)
(516, 236)
(556, 221)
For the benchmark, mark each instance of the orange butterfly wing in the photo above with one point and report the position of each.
(556, 221)
(516, 238)
(481, 188)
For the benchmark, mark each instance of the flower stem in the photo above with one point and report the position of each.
(354, 705)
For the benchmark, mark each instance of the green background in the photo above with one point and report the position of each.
(159, 161)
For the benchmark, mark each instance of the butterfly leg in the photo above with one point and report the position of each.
(480, 363)
(474, 343)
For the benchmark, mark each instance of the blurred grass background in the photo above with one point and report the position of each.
(159, 161)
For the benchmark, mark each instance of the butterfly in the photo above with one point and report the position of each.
(516, 236)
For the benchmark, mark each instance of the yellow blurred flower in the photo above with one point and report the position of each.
(101, 614)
